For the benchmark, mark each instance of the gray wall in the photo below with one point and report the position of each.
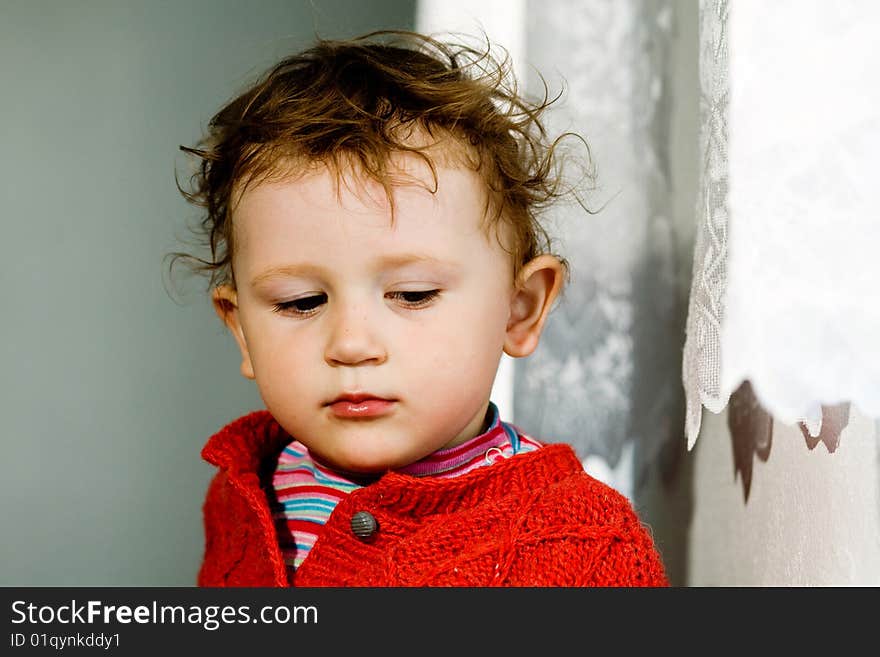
(109, 387)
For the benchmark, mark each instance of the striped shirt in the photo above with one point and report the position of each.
(306, 492)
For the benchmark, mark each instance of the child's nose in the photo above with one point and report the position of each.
(354, 338)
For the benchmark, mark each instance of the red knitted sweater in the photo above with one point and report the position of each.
(536, 519)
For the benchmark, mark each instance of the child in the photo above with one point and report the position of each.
(371, 212)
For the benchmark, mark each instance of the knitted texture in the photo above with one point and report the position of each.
(536, 519)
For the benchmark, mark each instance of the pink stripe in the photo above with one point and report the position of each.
(447, 459)
(467, 447)
(290, 495)
(301, 477)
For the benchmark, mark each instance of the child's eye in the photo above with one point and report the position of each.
(302, 306)
(415, 298)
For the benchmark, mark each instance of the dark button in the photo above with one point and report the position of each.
(364, 525)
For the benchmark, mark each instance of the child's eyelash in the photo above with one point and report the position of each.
(303, 306)
(423, 297)
(307, 305)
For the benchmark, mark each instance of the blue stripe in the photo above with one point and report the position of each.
(513, 435)
(290, 449)
(290, 468)
(309, 505)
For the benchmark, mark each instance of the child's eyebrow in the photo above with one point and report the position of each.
(403, 259)
(395, 261)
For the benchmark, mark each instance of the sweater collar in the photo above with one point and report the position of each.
(243, 445)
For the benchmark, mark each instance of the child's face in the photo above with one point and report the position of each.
(332, 299)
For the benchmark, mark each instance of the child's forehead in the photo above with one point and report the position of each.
(294, 216)
(416, 197)
(440, 175)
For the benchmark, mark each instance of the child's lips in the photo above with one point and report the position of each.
(362, 407)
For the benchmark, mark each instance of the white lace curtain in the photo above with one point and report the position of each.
(786, 276)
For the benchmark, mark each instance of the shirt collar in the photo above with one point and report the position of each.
(446, 459)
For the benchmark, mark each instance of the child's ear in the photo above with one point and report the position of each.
(537, 286)
(225, 301)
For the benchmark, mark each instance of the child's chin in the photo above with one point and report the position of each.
(369, 467)
(363, 465)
